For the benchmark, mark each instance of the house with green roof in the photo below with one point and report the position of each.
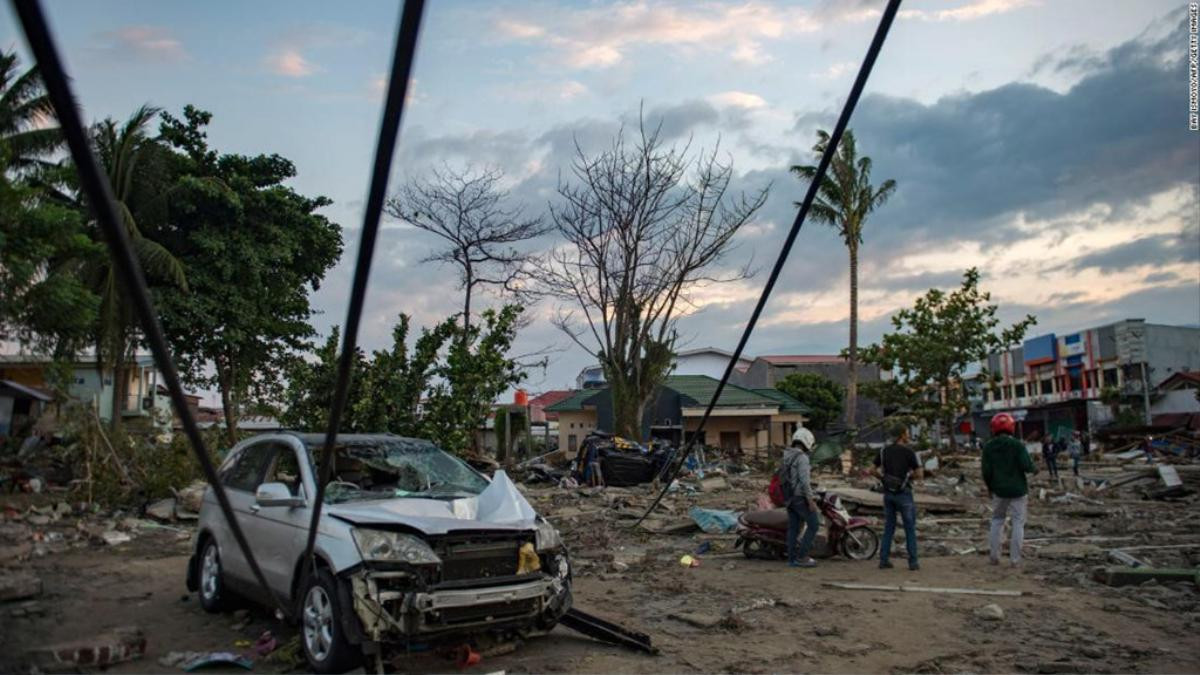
(743, 419)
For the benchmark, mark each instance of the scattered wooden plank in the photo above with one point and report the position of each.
(922, 589)
(1133, 576)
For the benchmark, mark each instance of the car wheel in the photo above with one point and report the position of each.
(212, 587)
(325, 644)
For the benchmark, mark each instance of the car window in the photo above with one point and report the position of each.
(389, 468)
(244, 473)
(285, 469)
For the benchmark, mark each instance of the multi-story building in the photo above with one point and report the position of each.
(1053, 383)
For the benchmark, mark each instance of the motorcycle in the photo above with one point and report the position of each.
(763, 534)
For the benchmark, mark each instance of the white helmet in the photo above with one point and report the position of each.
(805, 438)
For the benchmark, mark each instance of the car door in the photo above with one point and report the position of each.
(279, 533)
(240, 479)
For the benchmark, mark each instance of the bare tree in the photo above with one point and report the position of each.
(469, 211)
(645, 228)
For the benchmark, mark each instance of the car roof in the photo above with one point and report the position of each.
(316, 440)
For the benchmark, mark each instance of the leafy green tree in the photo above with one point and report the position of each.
(253, 249)
(476, 371)
(442, 390)
(822, 395)
(310, 383)
(844, 200)
(396, 379)
(933, 344)
(43, 302)
(27, 132)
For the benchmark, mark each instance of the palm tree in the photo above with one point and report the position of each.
(26, 135)
(130, 158)
(844, 200)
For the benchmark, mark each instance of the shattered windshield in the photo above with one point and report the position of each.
(386, 469)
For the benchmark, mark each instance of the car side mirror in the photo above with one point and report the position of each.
(276, 494)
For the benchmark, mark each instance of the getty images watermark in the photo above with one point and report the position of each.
(1194, 66)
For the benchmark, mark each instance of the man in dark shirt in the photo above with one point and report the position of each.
(897, 465)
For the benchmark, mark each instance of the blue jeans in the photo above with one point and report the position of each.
(1051, 464)
(902, 503)
(798, 511)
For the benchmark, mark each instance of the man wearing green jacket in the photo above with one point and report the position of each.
(1005, 463)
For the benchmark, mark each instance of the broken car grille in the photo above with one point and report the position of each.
(470, 558)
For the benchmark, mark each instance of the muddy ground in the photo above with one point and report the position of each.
(1064, 622)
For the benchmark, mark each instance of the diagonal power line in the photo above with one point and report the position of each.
(864, 71)
(99, 196)
(389, 131)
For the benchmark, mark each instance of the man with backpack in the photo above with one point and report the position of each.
(897, 465)
(1005, 462)
(794, 478)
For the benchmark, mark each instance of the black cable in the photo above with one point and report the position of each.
(99, 196)
(389, 131)
(885, 23)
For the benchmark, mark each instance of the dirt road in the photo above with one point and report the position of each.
(809, 627)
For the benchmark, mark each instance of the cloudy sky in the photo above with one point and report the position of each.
(1045, 142)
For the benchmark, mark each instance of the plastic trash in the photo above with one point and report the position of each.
(689, 561)
(714, 521)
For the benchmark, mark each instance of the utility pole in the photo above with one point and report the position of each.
(1146, 394)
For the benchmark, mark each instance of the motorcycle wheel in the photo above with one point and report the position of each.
(861, 543)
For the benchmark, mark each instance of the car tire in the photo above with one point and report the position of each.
(213, 597)
(321, 634)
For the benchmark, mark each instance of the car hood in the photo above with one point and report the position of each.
(500, 507)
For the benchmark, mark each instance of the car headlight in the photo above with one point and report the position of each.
(385, 546)
(548, 538)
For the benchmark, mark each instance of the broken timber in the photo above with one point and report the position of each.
(595, 627)
(921, 589)
(1132, 576)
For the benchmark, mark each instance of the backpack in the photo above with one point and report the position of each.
(775, 490)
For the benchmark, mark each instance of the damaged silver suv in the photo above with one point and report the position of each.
(413, 546)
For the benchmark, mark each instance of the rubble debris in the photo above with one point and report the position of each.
(19, 586)
(1130, 576)
(696, 619)
(920, 589)
(714, 484)
(217, 659)
(992, 612)
(117, 646)
(1119, 556)
(115, 537)
(163, 509)
(874, 500)
(595, 627)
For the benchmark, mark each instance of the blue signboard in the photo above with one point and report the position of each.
(1040, 350)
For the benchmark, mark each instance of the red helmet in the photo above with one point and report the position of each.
(1003, 423)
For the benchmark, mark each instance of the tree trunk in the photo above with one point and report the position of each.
(119, 385)
(228, 407)
(852, 361)
(118, 397)
(469, 276)
(627, 409)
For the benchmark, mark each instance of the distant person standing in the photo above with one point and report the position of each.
(1048, 455)
(1075, 450)
(1148, 448)
(897, 466)
(1086, 439)
(1005, 462)
(795, 478)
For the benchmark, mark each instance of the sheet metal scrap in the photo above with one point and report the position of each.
(599, 629)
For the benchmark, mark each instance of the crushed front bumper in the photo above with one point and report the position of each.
(388, 613)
